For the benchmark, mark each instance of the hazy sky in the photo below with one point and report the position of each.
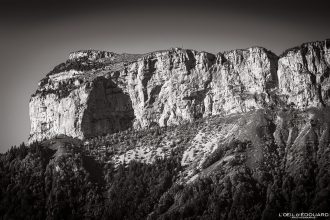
(37, 35)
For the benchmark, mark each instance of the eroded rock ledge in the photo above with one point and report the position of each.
(98, 92)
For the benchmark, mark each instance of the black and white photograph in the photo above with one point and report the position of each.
(164, 110)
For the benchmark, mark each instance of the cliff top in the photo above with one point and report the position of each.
(326, 43)
(107, 57)
(92, 54)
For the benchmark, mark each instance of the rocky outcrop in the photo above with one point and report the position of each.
(303, 74)
(97, 92)
(79, 102)
(242, 80)
(176, 86)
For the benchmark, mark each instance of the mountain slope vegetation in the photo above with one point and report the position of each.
(252, 165)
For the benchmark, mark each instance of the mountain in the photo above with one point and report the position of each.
(95, 92)
(176, 134)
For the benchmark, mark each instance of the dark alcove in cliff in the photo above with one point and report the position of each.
(109, 109)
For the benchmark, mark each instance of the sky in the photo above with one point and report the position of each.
(35, 36)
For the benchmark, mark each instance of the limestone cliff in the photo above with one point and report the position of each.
(98, 92)
(303, 74)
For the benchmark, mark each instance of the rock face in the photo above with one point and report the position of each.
(79, 103)
(97, 92)
(303, 74)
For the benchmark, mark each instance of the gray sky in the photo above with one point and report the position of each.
(36, 36)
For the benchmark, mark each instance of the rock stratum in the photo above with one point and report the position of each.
(96, 92)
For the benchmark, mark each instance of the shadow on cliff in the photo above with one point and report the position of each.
(109, 109)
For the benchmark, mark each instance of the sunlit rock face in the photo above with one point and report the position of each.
(176, 86)
(98, 92)
(169, 87)
(95, 108)
(303, 74)
(51, 114)
(242, 80)
(78, 101)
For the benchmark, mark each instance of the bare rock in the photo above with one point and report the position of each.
(97, 92)
(303, 74)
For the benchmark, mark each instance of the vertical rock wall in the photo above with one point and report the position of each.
(97, 92)
(303, 74)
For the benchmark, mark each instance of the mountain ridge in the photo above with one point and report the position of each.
(176, 135)
(249, 74)
(209, 85)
